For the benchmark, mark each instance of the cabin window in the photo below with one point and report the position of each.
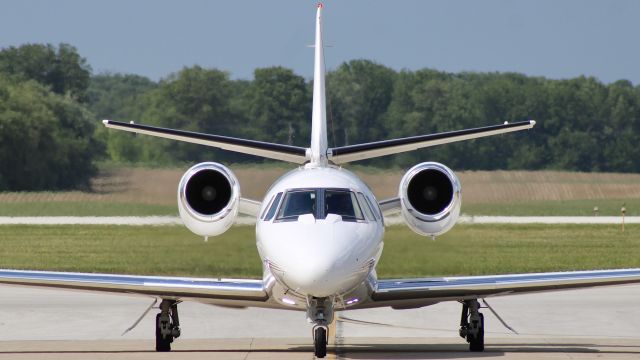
(296, 203)
(273, 207)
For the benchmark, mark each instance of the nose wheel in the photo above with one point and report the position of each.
(320, 341)
(320, 312)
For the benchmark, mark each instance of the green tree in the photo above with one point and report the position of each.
(62, 69)
(119, 97)
(46, 139)
(279, 104)
(194, 99)
(359, 92)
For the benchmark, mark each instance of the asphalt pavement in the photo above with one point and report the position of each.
(53, 324)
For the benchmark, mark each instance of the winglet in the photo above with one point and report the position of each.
(319, 116)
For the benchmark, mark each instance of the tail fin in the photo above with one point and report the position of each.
(319, 146)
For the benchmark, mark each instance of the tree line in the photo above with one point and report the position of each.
(51, 105)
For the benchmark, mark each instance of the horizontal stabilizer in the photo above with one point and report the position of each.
(288, 153)
(345, 154)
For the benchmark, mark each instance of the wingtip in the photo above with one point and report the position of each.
(106, 122)
(532, 122)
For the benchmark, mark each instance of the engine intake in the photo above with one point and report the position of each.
(208, 197)
(430, 197)
(208, 191)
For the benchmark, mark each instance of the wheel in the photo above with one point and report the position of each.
(320, 342)
(162, 344)
(476, 343)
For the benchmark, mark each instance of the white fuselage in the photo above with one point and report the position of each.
(314, 252)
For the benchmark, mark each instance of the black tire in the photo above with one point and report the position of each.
(162, 344)
(476, 344)
(320, 342)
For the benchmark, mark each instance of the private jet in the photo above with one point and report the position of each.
(319, 232)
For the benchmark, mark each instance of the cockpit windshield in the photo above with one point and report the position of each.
(320, 203)
(296, 203)
(343, 203)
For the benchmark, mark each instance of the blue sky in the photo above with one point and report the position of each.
(554, 39)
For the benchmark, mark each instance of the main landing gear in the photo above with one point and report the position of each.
(472, 325)
(167, 325)
(320, 313)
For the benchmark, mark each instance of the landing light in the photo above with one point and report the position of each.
(352, 301)
(288, 301)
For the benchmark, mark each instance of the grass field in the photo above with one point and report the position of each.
(172, 250)
(525, 208)
(144, 191)
(606, 207)
(467, 249)
(85, 208)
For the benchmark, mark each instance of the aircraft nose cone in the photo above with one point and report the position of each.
(320, 260)
(315, 275)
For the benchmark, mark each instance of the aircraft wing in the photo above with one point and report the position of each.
(389, 206)
(249, 207)
(288, 153)
(345, 154)
(407, 293)
(226, 292)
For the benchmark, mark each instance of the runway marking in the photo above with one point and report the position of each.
(335, 338)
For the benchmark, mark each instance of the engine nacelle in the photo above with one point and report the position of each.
(208, 198)
(430, 198)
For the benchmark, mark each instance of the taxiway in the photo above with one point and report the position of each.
(52, 324)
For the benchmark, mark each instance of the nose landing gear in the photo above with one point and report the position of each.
(320, 313)
(167, 325)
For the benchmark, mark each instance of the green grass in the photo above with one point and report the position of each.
(554, 208)
(497, 249)
(86, 208)
(528, 208)
(167, 250)
(172, 250)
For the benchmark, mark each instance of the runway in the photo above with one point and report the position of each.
(585, 324)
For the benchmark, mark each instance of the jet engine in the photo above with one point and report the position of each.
(430, 198)
(208, 198)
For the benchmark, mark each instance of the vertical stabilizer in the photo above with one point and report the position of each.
(319, 116)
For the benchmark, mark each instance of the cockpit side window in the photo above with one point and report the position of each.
(296, 203)
(273, 207)
(366, 207)
(343, 203)
(267, 207)
(374, 208)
